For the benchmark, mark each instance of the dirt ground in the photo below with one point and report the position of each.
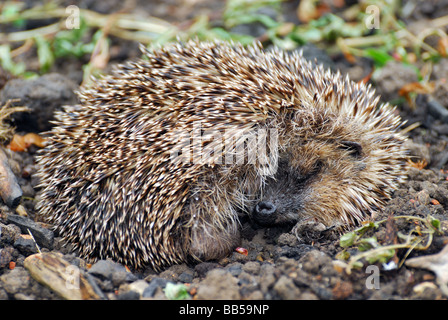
(279, 265)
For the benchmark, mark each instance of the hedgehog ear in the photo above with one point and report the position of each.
(354, 148)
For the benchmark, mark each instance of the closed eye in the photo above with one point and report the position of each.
(354, 148)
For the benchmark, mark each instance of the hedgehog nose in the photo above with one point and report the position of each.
(264, 213)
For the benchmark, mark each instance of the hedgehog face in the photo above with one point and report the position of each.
(337, 180)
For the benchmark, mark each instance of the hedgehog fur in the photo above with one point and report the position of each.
(120, 178)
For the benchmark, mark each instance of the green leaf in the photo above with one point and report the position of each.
(176, 291)
(381, 256)
(7, 63)
(368, 243)
(380, 57)
(72, 43)
(435, 223)
(347, 239)
(11, 10)
(366, 227)
(357, 264)
(343, 255)
(44, 53)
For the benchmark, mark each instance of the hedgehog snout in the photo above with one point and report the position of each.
(265, 213)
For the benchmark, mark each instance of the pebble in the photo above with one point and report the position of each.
(314, 260)
(218, 285)
(342, 290)
(152, 287)
(128, 295)
(252, 267)
(9, 233)
(25, 245)
(286, 289)
(15, 281)
(51, 270)
(203, 268)
(426, 291)
(235, 268)
(42, 96)
(186, 277)
(5, 256)
(423, 197)
(295, 252)
(105, 269)
(43, 236)
(130, 290)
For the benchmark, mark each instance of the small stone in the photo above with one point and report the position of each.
(423, 197)
(308, 296)
(138, 286)
(68, 281)
(342, 290)
(185, 277)
(42, 96)
(16, 280)
(286, 288)
(104, 269)
(426, 291)
(122, 276)
(252, 267)
(151, 289)
(256, 295)
(173, 272)
(5, 256)
(235, 269)
(43, 236)
(314, 260)
(3, 295)
(128, 295)
(219, 284)
(267, 277)
(25, 245)
(203, 268)
(9, 233)
(287, 239)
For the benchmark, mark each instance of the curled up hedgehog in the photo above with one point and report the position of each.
(155, 163)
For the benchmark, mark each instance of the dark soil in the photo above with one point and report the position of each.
(279, 264)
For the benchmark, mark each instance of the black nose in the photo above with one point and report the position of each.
(264, 213)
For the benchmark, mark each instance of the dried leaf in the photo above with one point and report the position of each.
(421, 164)
(307, 11)
(22, 143)
(417, 87)
(442, 46)
(391, 236)
(437, 263)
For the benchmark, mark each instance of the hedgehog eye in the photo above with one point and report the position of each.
(354, 148)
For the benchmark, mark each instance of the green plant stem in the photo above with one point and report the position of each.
(122, 25)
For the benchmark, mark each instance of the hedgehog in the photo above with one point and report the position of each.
(158, 160)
